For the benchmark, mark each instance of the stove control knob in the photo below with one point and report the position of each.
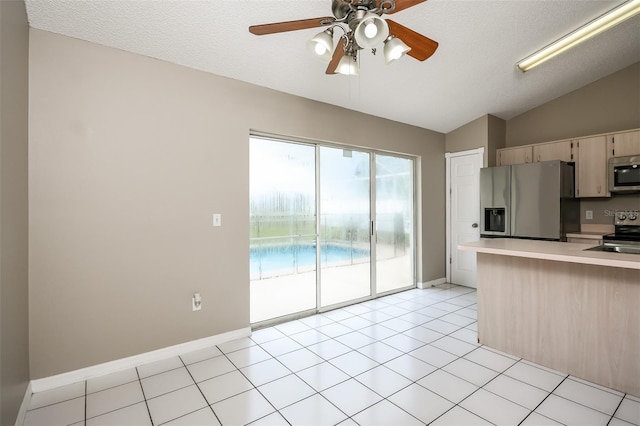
(633, 216)
(622, 216)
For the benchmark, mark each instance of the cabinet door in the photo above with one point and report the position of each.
(623, 144)
(592, 167)
(510, 156)
(560, 150)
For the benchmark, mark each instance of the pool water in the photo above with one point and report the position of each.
(268, 259)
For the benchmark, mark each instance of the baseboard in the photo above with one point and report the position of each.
(432, 283)
(23, 407)
(63, 379)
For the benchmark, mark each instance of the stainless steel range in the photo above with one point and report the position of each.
(626, 238)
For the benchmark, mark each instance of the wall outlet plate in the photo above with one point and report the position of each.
(589, 214)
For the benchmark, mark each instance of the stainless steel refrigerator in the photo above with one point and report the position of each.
(531, 200)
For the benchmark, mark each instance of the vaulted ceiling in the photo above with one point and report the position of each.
(472, 73)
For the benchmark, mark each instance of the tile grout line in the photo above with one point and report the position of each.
(545, 398)
(254, 387)
(617, 408)
(85, 402)
(199, 390)
(144, 396)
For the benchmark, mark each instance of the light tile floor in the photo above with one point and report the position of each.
(407, 359)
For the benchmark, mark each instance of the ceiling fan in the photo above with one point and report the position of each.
(365, 28)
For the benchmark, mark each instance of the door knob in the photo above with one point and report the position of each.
(475, 225)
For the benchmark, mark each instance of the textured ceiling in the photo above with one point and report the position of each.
(471, 74)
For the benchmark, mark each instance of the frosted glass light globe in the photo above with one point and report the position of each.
(370, 29)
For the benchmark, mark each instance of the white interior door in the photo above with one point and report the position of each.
(464, 215)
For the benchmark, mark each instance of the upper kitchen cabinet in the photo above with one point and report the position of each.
(518, 155)
(623, 144)
(592, 167)
(560, 150)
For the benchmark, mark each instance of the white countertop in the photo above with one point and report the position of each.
(552, 250)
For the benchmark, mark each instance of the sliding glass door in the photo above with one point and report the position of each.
(345, 225)
(394, 223)
(282, 229)
(328, 226)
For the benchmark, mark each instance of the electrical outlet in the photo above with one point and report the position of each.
(217, 219)
(196, 302)
(589, 214)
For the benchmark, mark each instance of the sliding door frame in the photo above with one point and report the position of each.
(372, 218)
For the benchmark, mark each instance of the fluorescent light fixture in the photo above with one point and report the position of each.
(603, 23)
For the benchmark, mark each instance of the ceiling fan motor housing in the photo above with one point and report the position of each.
(342, 8)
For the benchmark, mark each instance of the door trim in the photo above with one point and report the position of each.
(448, 156)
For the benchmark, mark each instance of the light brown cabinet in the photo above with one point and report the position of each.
(560, 150)
(590, 155)
(623, 144)
(592, 167)
(518, 155)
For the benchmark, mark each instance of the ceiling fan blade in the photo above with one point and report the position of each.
(421, 47)
(281, 27)
(338, 53)
(405, 4)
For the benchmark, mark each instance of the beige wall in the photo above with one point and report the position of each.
(486, 132)
(609, 104)
(469, 136)
(130, 156)
(14, 309)
(497, 137)
(603, 208)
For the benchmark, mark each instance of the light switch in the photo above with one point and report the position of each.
(589, 215)
(217, 219)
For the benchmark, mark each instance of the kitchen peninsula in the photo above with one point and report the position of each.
(562, 307)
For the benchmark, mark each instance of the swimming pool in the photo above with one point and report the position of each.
(288, 258)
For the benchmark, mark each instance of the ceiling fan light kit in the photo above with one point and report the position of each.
(365, 28)
(593, 28)
(322, 44)
(348, 65)
(370, 31)
(394, 48)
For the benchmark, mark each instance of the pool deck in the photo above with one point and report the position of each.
(279, 296)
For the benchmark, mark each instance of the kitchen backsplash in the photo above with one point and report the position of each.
(604, 208)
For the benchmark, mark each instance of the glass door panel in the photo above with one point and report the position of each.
(394, 223)
(345, 225)
(282, 229)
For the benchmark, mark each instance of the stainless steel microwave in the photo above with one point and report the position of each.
(624, 174)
